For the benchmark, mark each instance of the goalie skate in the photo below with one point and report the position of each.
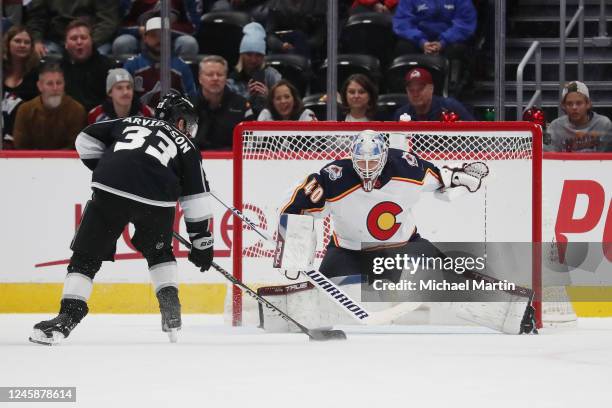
(170, 309)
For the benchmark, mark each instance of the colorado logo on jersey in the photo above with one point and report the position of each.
(382, 222)
(335, 172)
(410, 158)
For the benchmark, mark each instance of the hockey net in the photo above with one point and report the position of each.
(272, 158)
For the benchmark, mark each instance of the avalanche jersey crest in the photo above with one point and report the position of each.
(409, 157)
(334, 172)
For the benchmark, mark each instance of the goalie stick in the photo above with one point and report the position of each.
(333, 292)
(313, 334)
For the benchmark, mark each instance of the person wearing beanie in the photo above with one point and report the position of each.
(251, 78)
(423, 105)
(580, 129)
(120, 102)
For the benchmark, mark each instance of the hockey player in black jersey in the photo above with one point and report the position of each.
(141, 168)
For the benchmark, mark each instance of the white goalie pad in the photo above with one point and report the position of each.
(505, 317)
(296, 242)
(311, 307)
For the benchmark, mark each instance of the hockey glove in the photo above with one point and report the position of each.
(201, 253)
(470, 176)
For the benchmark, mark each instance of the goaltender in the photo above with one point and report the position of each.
(369, 197)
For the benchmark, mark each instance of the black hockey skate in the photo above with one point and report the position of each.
(528, 324)
(170, 309)
(51, 332)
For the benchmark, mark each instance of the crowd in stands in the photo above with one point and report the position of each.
(66, 64)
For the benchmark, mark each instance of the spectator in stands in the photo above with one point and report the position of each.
(580, 129)
(423, 105)
(48, 20)
(297, 27)
(377, 6)
(219, 109)
(52, 120)
(359, 96)
(284, 103)
(19, 73)
(438, 27)
(85, 69)
(184, 23)
(145, 67)
(252, 78)
(120, 102)
(434, 27)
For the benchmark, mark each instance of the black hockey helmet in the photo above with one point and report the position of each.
(174, 107)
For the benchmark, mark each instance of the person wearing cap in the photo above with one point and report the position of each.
(120, 102)
(184, 23)
(145, 68)
(580, 129)
(423, 105)
(252, 79)
(84, 67)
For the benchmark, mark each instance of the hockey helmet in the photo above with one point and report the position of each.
(174, 108)
(369, 156)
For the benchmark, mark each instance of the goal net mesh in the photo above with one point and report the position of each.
(274, 160)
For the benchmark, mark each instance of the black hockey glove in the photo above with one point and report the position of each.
(201, 254)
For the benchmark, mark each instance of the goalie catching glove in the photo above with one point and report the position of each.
(470, 176)
(201, 253)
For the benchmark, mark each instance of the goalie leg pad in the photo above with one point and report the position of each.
(296, 242)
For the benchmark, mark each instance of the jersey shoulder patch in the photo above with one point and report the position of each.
(409, 165)
(334, 172)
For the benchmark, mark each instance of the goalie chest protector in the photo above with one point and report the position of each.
(360, 218)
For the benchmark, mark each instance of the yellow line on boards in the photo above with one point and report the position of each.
(110, 298)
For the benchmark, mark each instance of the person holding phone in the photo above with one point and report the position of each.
(252, 79)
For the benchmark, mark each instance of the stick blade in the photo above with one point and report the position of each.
(326, 335)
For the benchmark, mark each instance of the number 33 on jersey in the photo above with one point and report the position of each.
(143, 159)
(382, 215)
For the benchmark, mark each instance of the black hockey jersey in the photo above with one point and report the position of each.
(383, 215)
(146, 160)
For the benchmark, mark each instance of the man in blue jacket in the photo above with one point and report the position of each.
(434, 26)
(423, 104)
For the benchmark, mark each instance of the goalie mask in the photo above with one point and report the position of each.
(369, 156)
(179, 111)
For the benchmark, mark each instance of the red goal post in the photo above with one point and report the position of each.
(270, 156)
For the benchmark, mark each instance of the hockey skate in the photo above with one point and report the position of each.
(170, 309)
(54, 331)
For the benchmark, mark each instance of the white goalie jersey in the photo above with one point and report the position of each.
(360, 219)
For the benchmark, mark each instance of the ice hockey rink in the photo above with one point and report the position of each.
(126, 361)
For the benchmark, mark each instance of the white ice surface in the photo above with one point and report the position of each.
(118, 361)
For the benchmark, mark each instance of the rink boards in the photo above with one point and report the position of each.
(44, 196)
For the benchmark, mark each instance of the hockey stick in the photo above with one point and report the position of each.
(313, 334)
(333, 292)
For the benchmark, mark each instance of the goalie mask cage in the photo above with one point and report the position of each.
(270, 158)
